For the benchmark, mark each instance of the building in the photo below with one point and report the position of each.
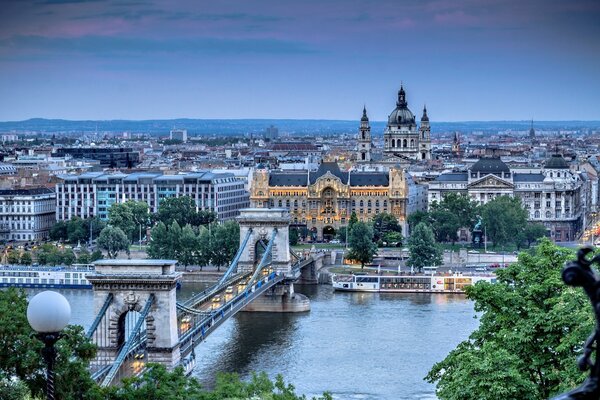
(364, 139)
(323, 200)
(272, 133)
(552, 195)
(26, 214)
(179, 134)
(92, 194)
(402, 139)
(109, 157)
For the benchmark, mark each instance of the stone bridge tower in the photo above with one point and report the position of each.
(131, 282)
(262, 222)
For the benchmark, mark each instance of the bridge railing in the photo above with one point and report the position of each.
(204, 327)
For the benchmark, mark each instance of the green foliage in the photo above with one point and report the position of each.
(188, 243)
(49, 254)
(13, 257)
(416, 218)
(96, 255)
(58, 231)
(460, 206)
(129, 216)
(203, 252)
(445, 225)
(183, 210)
(20, 354)
(113, 240)
(423, 250)
(533, 232)
(505, 219)
(225, 241)
(158, 383)
(84, 257)
(352, 221)
(76, 229)
(26, 258)
(392, 239)
(293, 236)
(341, 234)
(532, 327)
(383, 224)
(362, 246)
(158, 247)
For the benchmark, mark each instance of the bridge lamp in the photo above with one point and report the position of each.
(48, 314)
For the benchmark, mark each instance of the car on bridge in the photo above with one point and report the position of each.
(216, 302)
(228, 293)
(242, 286)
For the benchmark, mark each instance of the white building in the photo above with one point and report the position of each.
(26, 214)
(179, 134)
(92, 194)
(552, 195)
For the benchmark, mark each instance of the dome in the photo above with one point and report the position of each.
(556, 162)
(401, 114)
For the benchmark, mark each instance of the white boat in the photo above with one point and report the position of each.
(407, 283)
(46, 277)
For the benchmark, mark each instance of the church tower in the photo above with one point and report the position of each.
(364, 139)
(425, 136)
(456, 145)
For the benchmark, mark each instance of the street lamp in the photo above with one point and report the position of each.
(48, 313)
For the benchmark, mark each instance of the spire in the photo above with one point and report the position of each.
(531, 130)
(401, 98)
(364, 116)
(424, 117)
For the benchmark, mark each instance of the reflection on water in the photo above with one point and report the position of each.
(356, 345)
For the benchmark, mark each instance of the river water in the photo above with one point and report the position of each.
(355, 345)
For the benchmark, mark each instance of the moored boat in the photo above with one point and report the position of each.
(407, 283)
(72, 277)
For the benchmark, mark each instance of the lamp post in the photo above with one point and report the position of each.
(48, 313)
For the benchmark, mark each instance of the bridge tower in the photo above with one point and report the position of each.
(265, 224)
(262, 222)
(128, 286)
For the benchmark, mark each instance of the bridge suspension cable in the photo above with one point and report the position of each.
(100, 315)
(235, 260)
(128, 343)
(263, 260)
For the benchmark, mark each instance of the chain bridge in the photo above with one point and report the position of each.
(138, 319)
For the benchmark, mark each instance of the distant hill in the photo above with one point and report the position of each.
(244, 126)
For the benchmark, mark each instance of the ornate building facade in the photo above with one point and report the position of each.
(402, 139)
(323, 200)
(551, 196)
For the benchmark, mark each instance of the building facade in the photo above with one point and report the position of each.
(323, 200)
(364, 139)
(402, 138)
(552, 195)
(92, 194)
(26, 214)
(109, 157)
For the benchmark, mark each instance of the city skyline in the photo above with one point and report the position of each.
(467, 60)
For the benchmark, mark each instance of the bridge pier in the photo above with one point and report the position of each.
(281, 298)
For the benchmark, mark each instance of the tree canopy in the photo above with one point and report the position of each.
(504, 219)
(386, 224)
(423, 250)
(183, 210)
(130, 216)
(532, 326)
(113, 240)
(362, 246)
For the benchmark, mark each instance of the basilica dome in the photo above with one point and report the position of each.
(401, 114)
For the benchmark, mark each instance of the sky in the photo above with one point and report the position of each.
(467, 60)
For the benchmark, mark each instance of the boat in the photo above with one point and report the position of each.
(61, 277)
(455, 283)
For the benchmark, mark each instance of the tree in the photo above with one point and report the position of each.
(341, 233)
(68, 257)
(384, 223)
(96, 255)
(26, 258)
(423, 251)
(84, 257)
(48, 254)
(505, 219)
(362, 246)
(225, 241)
(531, 328)
(533, 232)
(158, 247)
(293, 236)
(20, 359)
(417, 217)
(352, 221)
(445, 225)
(76, 230)
(204, 252)
(113, 240)
(188, 245)
(460, 206)
(129, 216)
(181, 209)
(13, 257)
(58, 231)
(392, 239)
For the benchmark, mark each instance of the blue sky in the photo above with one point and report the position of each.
(311, 59)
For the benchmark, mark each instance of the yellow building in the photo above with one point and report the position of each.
(323, 200)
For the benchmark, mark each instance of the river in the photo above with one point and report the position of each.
(355, 345)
